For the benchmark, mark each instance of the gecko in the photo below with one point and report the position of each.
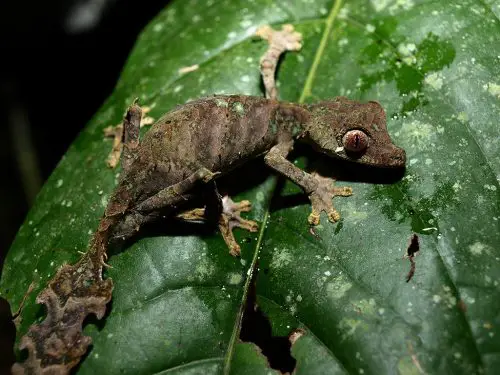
(178, 160)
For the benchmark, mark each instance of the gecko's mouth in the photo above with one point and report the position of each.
(395, 158)
(390, 157)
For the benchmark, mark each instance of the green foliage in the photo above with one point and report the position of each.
(435, 67)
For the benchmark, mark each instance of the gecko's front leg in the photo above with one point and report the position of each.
(320, 190)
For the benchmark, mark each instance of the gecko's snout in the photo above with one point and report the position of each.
(398, 158)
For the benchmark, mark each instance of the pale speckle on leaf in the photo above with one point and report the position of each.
(493, 89)
(343, 42)
(188, 69)
(234, 278)
(407, 50)
(463, 117)
(281, 258)
(380, 5)
(417, 133)
(370, 28)
(434, 80)
(158, 27)
(338, 287)
(478, 248)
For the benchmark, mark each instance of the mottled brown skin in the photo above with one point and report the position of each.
(187, 148)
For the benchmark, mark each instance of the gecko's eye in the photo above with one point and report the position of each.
(355, 141)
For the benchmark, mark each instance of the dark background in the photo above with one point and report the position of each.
(59, 59)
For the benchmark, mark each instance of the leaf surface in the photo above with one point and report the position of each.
(178, 296)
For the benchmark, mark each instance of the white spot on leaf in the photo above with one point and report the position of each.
(281, 258)
(434, 80)
(478, 248)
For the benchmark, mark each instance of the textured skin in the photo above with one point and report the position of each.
(330, 120)
(218, 133)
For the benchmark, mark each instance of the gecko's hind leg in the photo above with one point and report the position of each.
(162, 203)
(173, 195)
(130, 135)
(125, 133)
(229, 218)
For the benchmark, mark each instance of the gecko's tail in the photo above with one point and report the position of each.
(57, 344)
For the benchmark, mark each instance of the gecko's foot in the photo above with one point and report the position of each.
(230, 218)
(116, 132)
(196, 214)
(321, 199)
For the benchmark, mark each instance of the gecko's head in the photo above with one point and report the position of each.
(353, 131)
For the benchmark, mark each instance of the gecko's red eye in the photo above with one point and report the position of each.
(355, 141)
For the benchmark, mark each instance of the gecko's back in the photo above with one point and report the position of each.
(217, 133)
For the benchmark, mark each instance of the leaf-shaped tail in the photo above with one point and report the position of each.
(57, 344)
(76, 291)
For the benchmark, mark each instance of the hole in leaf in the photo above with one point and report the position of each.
(256, 328)
(413, 249)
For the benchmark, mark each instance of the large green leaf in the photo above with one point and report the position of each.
(435, 67)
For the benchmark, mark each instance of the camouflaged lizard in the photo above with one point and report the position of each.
(182, 155)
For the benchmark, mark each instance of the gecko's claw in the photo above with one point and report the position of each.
(230, 218)
(321, 199)
(313, 218)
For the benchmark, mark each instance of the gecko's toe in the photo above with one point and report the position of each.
(333, 216)
(313, 218)
(248, 225)
(235, 250)
(343, 191)
(243, 206)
